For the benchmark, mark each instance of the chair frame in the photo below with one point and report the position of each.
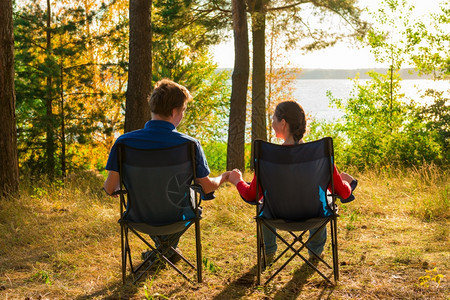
(332, 220)
(126, 227)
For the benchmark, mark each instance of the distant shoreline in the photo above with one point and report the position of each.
(347, 73)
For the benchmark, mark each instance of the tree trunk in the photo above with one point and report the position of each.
(50, 134)
(236, 129)
(259, 130)
(63, 122)
(9, 166)
(137, 110)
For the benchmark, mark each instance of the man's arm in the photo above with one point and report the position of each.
(211, 184)
(112, 182)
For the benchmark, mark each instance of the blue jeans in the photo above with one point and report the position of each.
(316, 245)
(164, 240)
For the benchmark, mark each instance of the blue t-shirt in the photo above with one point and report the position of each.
(156, 135)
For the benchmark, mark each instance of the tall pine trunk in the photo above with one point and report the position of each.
(236, 129)
(63, 122)
(137, 110)
(9, 167)
(259, 130)
(50, 130)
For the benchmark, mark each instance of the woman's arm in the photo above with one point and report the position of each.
(247, 191)
(342, 184)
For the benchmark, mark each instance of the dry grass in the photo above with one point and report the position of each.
(62, 242)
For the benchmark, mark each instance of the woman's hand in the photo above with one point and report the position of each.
(235, 176)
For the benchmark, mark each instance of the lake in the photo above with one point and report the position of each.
(311, 93)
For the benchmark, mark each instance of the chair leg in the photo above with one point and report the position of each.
(198, 251)
(304, 246)
(334, 248)
(123, 253)
(258, 251)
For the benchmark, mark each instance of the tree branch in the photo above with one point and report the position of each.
(288, 6)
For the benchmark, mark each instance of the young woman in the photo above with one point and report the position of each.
(289, 124)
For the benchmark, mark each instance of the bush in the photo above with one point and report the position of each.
(216, 155)
(381, 128)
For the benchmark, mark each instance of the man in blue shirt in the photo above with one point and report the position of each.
(168, 103)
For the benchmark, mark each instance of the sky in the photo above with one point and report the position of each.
(340, 56)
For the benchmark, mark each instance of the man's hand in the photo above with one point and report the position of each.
(224, 177)
(211, 184)
(112, 183)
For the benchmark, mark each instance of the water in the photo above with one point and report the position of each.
(312, 93)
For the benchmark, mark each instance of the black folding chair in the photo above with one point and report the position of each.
(158, 197)
(294, 181)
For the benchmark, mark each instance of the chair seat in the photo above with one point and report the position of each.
(295, 225)
(159, 230)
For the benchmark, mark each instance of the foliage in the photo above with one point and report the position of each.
(377, 130)
(432, 276)
(313, 25)
(71, 91)
(380, 126)
(216, 155)
(429, 42)
(280, 76)
(180, 53)
(66, 86)
(386, 38)
(43, 51)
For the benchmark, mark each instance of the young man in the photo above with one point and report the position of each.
(168, 103)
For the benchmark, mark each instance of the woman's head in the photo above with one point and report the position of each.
(294, 115)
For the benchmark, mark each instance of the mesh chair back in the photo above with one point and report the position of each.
(157, 183)
(294, 179)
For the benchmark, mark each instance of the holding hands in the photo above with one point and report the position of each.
(235, 176)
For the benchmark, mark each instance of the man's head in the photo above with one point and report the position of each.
(168, 98)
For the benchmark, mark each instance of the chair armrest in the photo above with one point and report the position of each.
(353, 185)
(350, 198)
(198, 188)
(119, 192)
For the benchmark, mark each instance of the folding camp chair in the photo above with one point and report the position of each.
(294, 181)
(158, 198)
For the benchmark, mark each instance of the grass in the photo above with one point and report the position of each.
(61, 240)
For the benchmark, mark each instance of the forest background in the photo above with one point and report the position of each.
(71, 64)
(71, 82)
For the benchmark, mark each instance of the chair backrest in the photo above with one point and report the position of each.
(157, 183)
(294, 179)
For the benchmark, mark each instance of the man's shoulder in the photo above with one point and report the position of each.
(139, 133)
(144, 138)
(187, 137)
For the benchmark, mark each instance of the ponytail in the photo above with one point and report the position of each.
(294, 115)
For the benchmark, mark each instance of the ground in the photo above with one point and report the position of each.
(62, 241)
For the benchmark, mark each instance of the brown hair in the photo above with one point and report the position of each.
(168, 95)
(294, 115)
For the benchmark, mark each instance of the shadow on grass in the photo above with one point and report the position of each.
(114, 291)
(246, 284)
(118, 290)
(240, 287)
(295, 286)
